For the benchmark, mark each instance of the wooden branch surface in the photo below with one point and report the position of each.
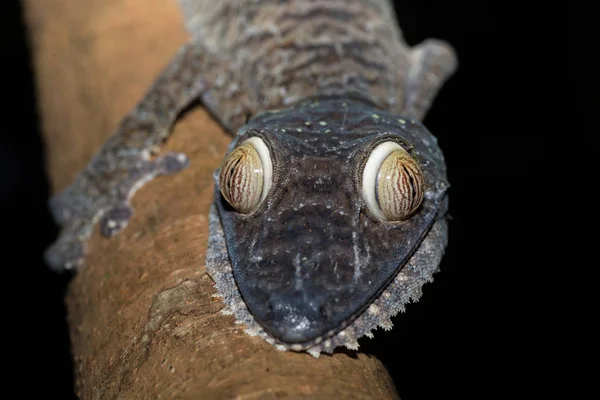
(142, 320)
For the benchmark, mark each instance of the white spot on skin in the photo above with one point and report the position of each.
(374, 309)
(345, 115)
(375, 116)
(314, 352)
(299, 129)
(356, 254)
(401, 121)
(303, 324)
(352, 345)
(233, 89)
(322, 123)
(328, 130)
(252, 332)
(307, 123)
(296, 264)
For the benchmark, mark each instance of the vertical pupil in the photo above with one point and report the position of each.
(231, 171)
(411, 181)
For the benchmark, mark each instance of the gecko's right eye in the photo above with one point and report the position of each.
(392, 183)
(246, 175)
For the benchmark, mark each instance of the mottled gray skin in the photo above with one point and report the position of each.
(326, 81)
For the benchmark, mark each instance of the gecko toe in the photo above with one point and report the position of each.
(115, 219)
(60, 208)
(65, 255)
(170, 163)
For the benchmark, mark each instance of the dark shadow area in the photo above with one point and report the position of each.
(34, 316)
(472, 333)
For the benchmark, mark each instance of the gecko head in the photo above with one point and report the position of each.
(321, 208)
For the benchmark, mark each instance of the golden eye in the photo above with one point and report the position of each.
(246, 175)
(392, 182)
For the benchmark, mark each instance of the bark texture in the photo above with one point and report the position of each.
(142, 320)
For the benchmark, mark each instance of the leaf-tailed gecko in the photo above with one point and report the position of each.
(330, 205)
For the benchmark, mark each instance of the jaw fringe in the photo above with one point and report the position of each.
(404, 288)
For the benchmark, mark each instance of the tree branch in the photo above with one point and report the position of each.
(142, 320)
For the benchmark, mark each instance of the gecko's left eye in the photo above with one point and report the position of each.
(392, 182)
(246, 175)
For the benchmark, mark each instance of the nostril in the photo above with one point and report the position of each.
(271, 306)
(297, 316)
(324, 311)
(298, 304)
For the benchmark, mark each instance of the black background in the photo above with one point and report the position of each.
(472, 333)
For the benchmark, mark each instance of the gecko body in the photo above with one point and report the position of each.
(329, 210)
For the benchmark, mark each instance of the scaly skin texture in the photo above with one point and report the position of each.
(284, 51)
(258, 58)
(310, 260)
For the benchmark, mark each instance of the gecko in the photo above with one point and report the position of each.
(329, 211)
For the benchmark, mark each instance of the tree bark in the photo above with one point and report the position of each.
(142, 320)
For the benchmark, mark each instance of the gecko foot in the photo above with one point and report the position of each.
(102, 196)
(65, 253)
(115, 219)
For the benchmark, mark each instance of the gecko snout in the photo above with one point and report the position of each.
(297, 316)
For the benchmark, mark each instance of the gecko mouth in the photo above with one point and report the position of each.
(293, 329)
(404, 287)
(306, 280)
(306, 287)
(302, 319)
(288, 337)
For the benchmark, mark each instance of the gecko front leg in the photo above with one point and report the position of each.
(102, 191)
(431, 63)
